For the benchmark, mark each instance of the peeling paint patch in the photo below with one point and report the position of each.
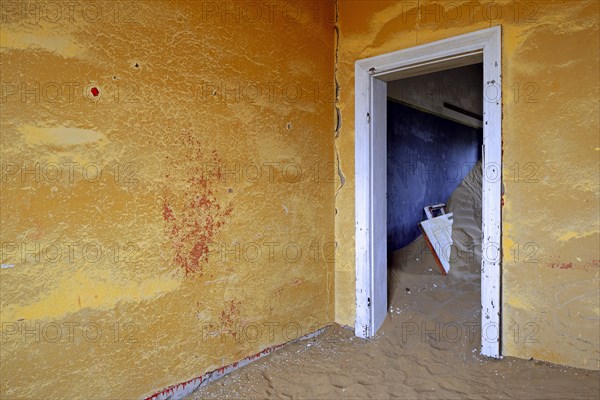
(60, 136)
(92, 294)
(45, 39)
(570, 235)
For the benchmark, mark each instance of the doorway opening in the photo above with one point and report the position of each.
(374, 82)
(434, 179)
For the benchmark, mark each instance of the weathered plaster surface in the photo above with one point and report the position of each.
(550, 131)
(154, 94)
(214, 211)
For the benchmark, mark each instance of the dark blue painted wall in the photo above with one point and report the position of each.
(427, 158)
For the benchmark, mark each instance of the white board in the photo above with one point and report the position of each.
(439, 234)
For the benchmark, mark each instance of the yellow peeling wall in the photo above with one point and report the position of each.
(551, 155)
(167, 190)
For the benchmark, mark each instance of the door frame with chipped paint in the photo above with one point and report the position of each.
(371, 77)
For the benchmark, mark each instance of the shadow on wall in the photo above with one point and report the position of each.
(427, 158)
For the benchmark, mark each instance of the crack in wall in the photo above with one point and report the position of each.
(417, 22)
(340, 174)
(338, 114)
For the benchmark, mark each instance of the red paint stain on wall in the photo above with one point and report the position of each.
(195, 216)
(167, 212)
(229, 317)
(561, 265)
(588, 266)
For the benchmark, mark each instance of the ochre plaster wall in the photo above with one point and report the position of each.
(208, 235)
(179, 105)
(550, 157)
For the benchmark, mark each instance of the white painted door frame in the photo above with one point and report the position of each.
(371, 77)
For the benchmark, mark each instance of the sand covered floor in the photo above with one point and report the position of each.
(396, 364)
(427, 348)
